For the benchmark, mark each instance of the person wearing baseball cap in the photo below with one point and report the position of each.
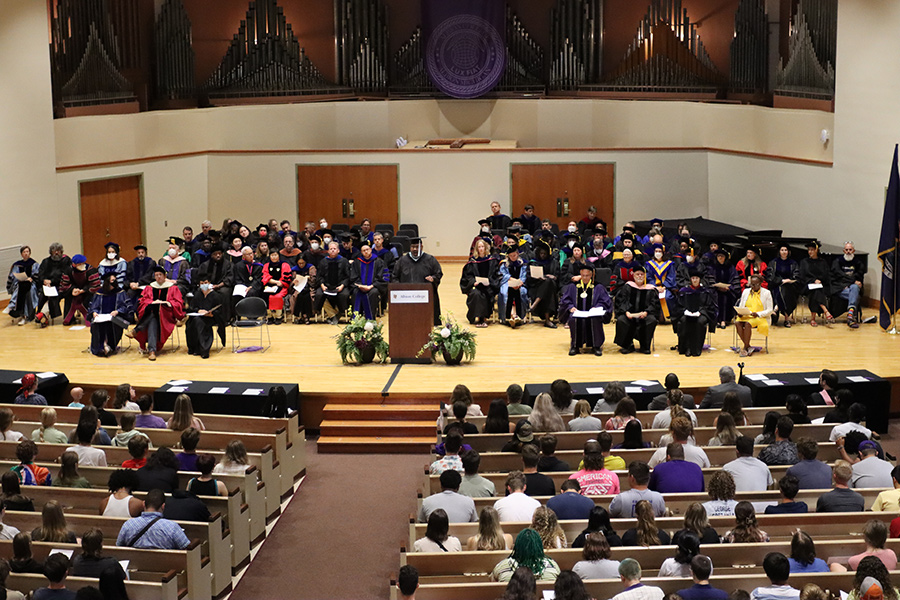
(28, 391)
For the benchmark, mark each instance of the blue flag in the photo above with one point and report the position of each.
(887, 247)
(465, 45)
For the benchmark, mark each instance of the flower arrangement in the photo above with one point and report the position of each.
(361, 340)
(452, 341)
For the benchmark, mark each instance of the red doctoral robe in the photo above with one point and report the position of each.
(168, 315)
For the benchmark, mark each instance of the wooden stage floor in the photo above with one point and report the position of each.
(530, 354)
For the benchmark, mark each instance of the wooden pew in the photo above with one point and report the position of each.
(779, 527)
(215, 539)
(574, 440)
(607, 588)
(505, 462)
(705, 417)
(678, 503)
(164, 589)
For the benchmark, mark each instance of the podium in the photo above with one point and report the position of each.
(411, 320)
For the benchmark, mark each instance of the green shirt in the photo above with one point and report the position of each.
(517, 408)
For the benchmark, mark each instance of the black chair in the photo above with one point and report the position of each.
(408, 233)
(410, 226)
(250, 312)
(603, 275)
(401, 242)
(340, 227)
(384, 227)
(554, 228)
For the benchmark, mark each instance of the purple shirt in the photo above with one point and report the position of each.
(149, 421)
(187, 462)
(676, 476)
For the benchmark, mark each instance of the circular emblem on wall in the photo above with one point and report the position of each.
(465, 56)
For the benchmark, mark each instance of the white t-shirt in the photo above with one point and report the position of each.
(663, 419)
(425, 545)
(11, 436)
(516, 507)
(694, 454)
(88, 456)
(843, 429)
(750, 474)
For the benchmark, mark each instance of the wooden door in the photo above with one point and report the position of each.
(348, 193)
(563, 192)
(110, 212)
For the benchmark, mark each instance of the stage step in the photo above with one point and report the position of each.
(391, 429)
(379, 412)
(374, 445)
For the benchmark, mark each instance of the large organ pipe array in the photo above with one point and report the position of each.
(666, 55)
(265, 59)
(84, 52)
(524, 59)
(749, 48)
(408, 76)
(809, 71)
(576, 43)
(362, 44)
(174, 53)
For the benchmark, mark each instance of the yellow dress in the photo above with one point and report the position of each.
(755, 304)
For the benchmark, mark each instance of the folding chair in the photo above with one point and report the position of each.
(410, 227)
(407, 233)
(735, 346)
(250, 312)
(382, 227)
(401, 242)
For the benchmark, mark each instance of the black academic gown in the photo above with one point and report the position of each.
(542, 293)
(727, 298)
(199, 330)
(585, 331)
(784, 294)
(407, 270)
(691, 331)
(109, 333)
(633, 299)
(480, 297)
(810, 270)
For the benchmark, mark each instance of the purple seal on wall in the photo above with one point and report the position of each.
(465, 52)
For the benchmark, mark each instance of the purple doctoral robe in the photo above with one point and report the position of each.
(585, 331)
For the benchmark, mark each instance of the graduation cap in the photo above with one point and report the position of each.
(687, 240)
(346, 237)
(236, 223)
(752, 247)
(810, 244)
(572, 236)
(658, 246)
(510, 249)
(112, 245)
(315, 238)
(656, 221)
(627, 235)
(416, 240)
(721, 251)
(599, 231)
(158, 269)
(629, 228)
(365, 242)
(514, 230)
(484, 221)
(327, 232)
(714, 241)
(175, 241)
(217, 247)
(140, 247)
(542, 243)
(781, 245)
(583, 267)
(638, 268)
(262, 226)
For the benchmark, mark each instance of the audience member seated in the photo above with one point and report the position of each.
(630, 575)
(451, 458)
(87, 454)
(889, 500)
(645, 533)
(595, 560)
(56, 569)
(548, 460)
(598, 522)
(746, 529)
(661, 401)
(68, 475)
(128, 432)
(701, 570)
(137, 448)
(436, 535)
(183, 415)
(514, 401)
(750, 474)
(623, 505)
(91, 562)
(160, 472)
(828, 381)
(569, 504)
(77, 395)
(27, 393)
(47, 432)
(53, 525)
(875, 535)
(612, 394)
(715, 395)
(841, 498)
(778, 570)
(206, 484)
(594, 478)
(812, 474)
(407, 582)
(687, 547)
(459, 508)
(676, 475)
(151, 529)
(583, 421)
(147, 419)
(697, 523)
(522, 435)
(497, 420)
(187, 458)
(721, 490)
(28, 472)
(604, 438)
(490, 534)
(235, 461)
(788, 486)
(632, 438)
(782, 451)
(516, 505)
(22, 560)
(626, 411)
(536, 484)
(856, 415)
(121, 502)
(545, 522)
(682, 432)
(841, 411)
(528, 552)
(459, 412)
(871, 471)
(474, 485)
(674, 408)
(871, 581)
(803, 555)
(726, 432)
(544, 416)
(731, 404)
(797, 410)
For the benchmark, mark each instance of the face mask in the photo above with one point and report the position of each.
(314, 245)
(326, 241)
(658, 255)
(172, 252)
(848, 257)
(111, 255)
(486, 229)
(81, 267)
(689, 258)
(572, 229)
(415, 255)
(205, 287)
(571, 243)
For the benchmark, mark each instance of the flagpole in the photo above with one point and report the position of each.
(893, 330)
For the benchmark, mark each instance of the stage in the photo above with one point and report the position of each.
(306, 354)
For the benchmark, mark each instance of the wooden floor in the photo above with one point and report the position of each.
(532, 353)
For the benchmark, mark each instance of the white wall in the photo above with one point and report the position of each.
(27, 153)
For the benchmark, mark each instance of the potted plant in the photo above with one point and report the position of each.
(453, 342)
(361, 340)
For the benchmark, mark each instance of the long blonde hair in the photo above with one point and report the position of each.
(544, 521)
(53, 523)
(48, 419)
(647, 531)
(544, 416)
(183, 414)
(490, 534)
(695, 519)
(582, 409)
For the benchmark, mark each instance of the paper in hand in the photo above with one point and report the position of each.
(102, 318)
(482, 281)
(815, 286)
(742, 310)
(536, 271)
(21, 276)
(271, 289)
(50, 292)
(301, 283)
(240, 290)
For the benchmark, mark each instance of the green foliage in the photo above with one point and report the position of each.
(450, 337)
(361, 335)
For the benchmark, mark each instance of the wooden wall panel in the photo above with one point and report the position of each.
(373, 188)
(585, 184)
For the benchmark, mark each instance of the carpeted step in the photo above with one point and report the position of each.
(374, 445)
(379, 412)
(393, 429)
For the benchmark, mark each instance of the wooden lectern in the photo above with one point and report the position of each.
(411, 320)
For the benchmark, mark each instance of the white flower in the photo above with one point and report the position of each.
(369, 326)
(445, 333)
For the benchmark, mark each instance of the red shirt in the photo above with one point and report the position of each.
(134, 463)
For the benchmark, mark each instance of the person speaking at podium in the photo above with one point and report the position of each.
(418, 267)
(585, 306)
